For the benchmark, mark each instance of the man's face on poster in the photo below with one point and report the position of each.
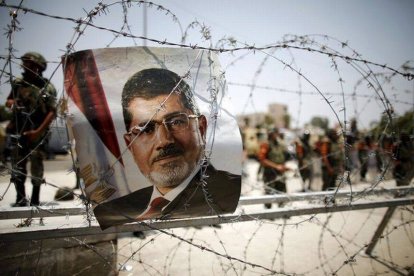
(166, 142)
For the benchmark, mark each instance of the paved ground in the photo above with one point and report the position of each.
(322, 245)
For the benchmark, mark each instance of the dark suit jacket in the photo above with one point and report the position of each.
(218, 194)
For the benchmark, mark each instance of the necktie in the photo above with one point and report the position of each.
(156, 206)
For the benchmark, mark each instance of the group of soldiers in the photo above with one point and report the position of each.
(32, 101)
(336, 156)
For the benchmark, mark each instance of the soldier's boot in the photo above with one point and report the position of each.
(34, 201)
(20, 194)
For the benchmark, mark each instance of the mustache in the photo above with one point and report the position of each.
(170, 149)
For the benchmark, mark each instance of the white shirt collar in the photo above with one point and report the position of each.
(171, 195)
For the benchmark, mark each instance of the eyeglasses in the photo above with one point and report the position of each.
(146, 131)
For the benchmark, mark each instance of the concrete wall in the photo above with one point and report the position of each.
(84, 255)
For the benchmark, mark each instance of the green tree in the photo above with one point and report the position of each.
(404, 122)
(321, 122)
(268, 121)
(287, 120)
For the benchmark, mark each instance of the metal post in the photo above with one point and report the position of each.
(380, 229)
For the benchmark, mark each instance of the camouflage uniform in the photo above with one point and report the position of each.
(404, 156)
(304, 154)
(273, 179)
(34, 99)
(332, 158)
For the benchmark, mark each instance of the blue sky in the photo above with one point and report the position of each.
(381, 31)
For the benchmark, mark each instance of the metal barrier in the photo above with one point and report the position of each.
(323, 200)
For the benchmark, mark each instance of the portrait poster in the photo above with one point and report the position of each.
(154, 133)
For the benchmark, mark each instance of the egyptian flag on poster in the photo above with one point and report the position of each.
(100, 160)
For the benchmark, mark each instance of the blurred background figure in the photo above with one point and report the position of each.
(5, 116)
(404, 160)
(332, 159)
(352, 151)
(272, 156)
(368, 156)
(304, 154)
(385, 151)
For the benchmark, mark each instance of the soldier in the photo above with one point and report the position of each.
(404, 160)
(304, 155)
(331, 154)
(32, 101)
(368, 156)
(385, 151)
(272, 157)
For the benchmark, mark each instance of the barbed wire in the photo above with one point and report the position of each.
(101, 8)
(228, 257)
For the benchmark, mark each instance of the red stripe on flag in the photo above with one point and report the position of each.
(83, 85)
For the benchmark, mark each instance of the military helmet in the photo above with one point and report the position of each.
(35, 58)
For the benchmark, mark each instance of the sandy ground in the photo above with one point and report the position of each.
(307, 245)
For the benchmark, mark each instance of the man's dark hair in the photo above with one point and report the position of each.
(150, 83)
